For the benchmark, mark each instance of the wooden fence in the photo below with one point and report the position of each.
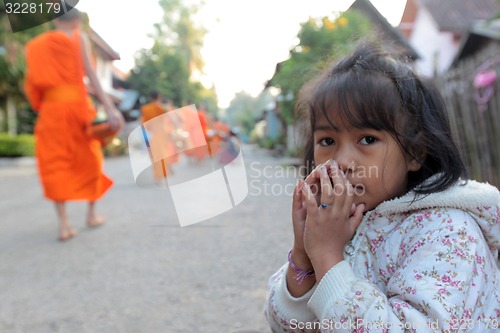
(476, 130)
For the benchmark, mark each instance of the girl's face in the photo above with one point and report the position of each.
(371, 159)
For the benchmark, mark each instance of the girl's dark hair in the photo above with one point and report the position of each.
(371, 89)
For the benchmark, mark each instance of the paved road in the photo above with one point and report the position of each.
(141, 272)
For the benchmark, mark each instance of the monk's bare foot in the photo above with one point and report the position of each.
(95, 222)
(67, 234)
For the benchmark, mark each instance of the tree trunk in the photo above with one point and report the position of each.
(3, 117)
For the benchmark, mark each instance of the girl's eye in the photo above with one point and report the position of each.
(326, 142)
(367, 140)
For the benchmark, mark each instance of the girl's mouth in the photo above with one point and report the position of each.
(359, 189)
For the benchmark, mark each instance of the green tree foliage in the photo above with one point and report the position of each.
(169, 65)
(241, 107)
(320, 41)
(244, 110)
(161, 68)
(12, 69)
(206, 97)
(180, 31)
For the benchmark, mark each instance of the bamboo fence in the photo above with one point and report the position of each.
(477, 131)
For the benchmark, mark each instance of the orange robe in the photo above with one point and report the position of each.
(70, 162)
(221, 131)
(150, 111)
(160, 141)
(198, 138)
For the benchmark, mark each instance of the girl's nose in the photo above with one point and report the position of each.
(346, 162)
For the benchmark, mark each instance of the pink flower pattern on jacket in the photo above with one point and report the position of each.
(417, 268)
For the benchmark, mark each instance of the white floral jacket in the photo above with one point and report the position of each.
(428, 265)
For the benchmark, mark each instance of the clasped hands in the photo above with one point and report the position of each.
(324, 217)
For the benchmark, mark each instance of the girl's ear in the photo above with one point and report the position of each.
(418, 154)
(414, 164)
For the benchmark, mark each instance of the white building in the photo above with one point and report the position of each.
(435, 29)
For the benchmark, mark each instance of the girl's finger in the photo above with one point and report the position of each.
(314, 176)
(349, 196)
(353, 209)
(297, 195)
(357, 217)
(310, 201)
(314, 181)
(339, 184)
(326, 197)
(299, 212)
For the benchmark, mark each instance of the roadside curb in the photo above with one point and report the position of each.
(13, 162)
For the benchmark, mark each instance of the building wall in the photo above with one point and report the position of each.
(273, 125)
(104, 73)
(436, 48)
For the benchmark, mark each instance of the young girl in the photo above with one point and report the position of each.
(387, 234)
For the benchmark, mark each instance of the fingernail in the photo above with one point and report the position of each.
(308, 192)
(323, 171)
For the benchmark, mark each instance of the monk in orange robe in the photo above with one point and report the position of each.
(220, 132)
(197, 127)
(160, 129)
(70, 162)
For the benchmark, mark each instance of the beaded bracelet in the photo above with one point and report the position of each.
(301, 274)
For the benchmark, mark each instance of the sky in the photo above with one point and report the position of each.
(244, 42)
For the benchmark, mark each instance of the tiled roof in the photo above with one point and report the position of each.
(105, 48)
(389, 33)
(457, 15)
(482, 34)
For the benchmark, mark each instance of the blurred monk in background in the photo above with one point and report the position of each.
(196, 124)
(160, 128)
(220, 131)
(70, 161)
